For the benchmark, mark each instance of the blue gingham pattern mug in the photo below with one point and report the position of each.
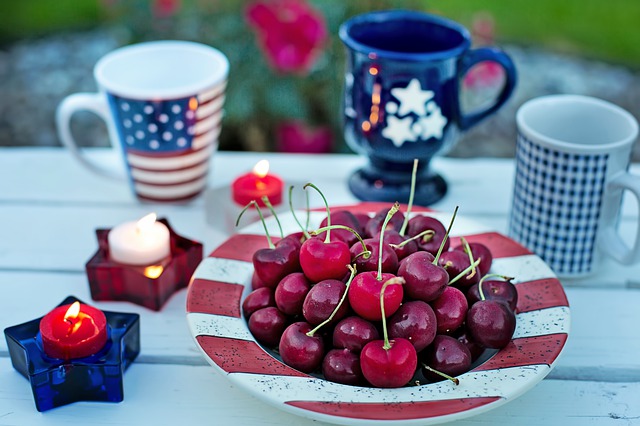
(572, 157)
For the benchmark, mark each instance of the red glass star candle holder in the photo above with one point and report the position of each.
(146, 285)
(63, 368)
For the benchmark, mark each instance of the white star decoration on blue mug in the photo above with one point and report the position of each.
(417, 116)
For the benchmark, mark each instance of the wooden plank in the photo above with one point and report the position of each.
(173, 394)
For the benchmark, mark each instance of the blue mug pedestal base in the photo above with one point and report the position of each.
(373, 186)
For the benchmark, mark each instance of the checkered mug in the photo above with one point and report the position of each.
(162, 103)
(572, 157)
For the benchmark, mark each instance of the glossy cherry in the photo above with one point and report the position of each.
(342, 366)
(491, 323)
(323, 258)
(323, 299)
(291, 293)
(423, 280)
(414, 321)
(258, 299)
(374, 225)
(479, 251)
(388, 363)
(430, 242)
(455, 262)
(450, 309)
(389, 258)
(446, 355)
(299, 350)
(345, 218)
(267, 325)
(499, 290)
(353, 333)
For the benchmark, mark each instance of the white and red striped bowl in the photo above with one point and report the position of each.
(222, 280)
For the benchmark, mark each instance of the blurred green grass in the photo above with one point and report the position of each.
(606, 30)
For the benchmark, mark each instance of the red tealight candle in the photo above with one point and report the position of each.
(73, 331)
(256, 184)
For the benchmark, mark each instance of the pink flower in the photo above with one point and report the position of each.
(297, 137)
(291, 33)
(165, 8)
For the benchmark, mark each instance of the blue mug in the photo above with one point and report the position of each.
(402, 98)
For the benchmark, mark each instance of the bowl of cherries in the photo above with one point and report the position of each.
(377, 312)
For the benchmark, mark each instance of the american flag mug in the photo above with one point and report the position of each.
(162, 102)
(572, 156)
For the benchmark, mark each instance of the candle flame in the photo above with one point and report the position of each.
(153, 272)
(72, 312)
(146, 222)
(261, 169)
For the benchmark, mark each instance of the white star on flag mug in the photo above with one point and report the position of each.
(162, 103)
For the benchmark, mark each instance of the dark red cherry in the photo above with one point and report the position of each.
(455, 262)
(450, 309)
(353, 333)
(273, 264)
(322, 300)
(424, 280)
(389, 256)
(501, 291)
(491, 323)
(429, 242)
(257, 299)
(300, 351)
(344, 218)
(448, 356)
(267, 325)
(291, 292)
(374, 225)
(414, 321)
(392, 237)
(342, 366)
(482, 252)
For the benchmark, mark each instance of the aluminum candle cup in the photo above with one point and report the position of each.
(572, 157)
(162, 102)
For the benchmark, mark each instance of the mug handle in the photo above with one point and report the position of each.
(96, 103)
(611, 243)
(492, 54)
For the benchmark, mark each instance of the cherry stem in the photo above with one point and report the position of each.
(422, 234)
(467, 249)
(393, 210)
(413, 190)
(440, 373)
(264, 225)
(465, 272)
(267, 203)
(293, 213)
(352, 268)
(446, 235)
(504, 277)
(328, 238)
(395, 280)
(366, 253)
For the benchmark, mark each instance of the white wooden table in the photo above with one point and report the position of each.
(50, 207)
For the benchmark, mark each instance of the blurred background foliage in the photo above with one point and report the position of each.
(260, 98)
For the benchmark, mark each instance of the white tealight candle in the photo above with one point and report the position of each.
(144, 242)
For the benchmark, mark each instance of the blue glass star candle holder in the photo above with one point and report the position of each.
(57, 382)
(150, 285)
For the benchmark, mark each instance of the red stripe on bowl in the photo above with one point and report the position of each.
(526, 351)
(392, 410)
(214, 297)
(241, 247)
(540, 294)
(499, 245)
(243, 356)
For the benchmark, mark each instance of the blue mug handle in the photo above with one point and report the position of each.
(475, 56)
